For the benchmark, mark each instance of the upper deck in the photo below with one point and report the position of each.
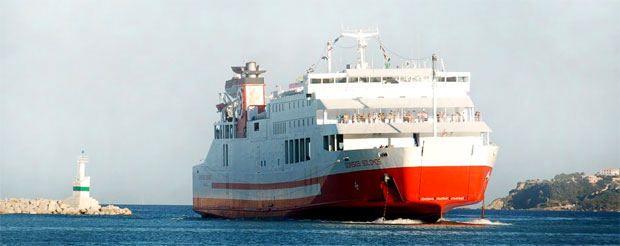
(410, 98)
(386, 83)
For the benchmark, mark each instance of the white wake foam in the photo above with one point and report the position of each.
(398, 221)
(388, 222)
(484, 222)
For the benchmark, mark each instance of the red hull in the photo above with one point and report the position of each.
(410, 192)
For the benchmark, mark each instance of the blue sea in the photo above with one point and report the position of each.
(179, 225)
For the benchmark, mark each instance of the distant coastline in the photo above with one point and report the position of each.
(565, 192)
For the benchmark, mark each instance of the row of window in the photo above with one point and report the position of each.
(453, 79)
(280, 127)
(333, 142)
(308, 121)
(297, 150)
(386, 79)
(279, 107)
(225, 131)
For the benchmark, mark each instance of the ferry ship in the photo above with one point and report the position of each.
(359, 144)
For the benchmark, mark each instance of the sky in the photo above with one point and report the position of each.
(135, 83)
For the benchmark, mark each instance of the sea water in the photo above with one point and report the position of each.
(179, 225)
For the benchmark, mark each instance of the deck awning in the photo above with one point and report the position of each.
(426, 127)
(392, 103)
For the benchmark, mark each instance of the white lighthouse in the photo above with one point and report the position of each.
(81, 188)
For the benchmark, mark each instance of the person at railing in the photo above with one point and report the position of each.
(405, 117)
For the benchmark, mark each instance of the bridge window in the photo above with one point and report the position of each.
(328, 81)
(375, 79)
(364, 79)
(441, 79)
(353, 79)
(451, 79)
(341, 80)
(463, 79)
(315, 81)
(390, 80)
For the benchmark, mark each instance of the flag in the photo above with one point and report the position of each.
(385, 56)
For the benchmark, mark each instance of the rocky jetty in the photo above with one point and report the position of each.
(47, 206)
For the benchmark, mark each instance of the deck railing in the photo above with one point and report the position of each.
(370, 118)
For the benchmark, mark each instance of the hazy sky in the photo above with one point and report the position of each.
(135, 83)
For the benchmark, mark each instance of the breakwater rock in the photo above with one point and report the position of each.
(47, 206)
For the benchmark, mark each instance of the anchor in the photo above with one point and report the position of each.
(389, 182)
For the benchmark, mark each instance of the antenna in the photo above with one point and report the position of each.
(434, 99)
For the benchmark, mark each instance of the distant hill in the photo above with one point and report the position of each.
(574, 191)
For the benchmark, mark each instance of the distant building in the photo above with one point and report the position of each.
(591, 178)
(608, 172)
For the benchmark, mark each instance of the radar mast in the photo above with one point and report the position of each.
(362, 35)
